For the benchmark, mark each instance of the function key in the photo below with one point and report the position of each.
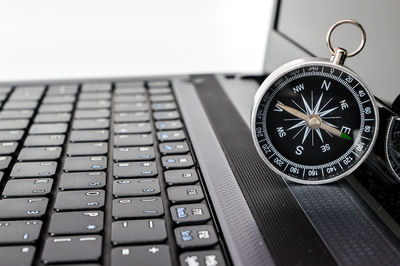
(141, 255)
(82, 180)
(127, 208)
(23, 208)
(62, 89)
(174, 148)
(138, 231)
(158, 83)
(172, 135)
(96, 87)
(73, 223)
(82, 248)
(27, 93)
(177, 161)
(133, 154)
(27, 187)
(179, 177)
(196, 236)
(182, 194)
(202, 258)
(86, 163)
(136, 187)
(19, 232)
(44, 140)
(33, 169)
(17, 255)
(190, 213)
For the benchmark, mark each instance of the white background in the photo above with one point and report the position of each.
(81, 38)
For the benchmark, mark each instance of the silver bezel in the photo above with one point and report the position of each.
(286, 68)
(393, 118)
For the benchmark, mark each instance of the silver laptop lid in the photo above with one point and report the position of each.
(300, 28)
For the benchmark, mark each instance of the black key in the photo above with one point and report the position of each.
(11, 135)
(180, 177)
(56, 108)
(5, 162)
(82, 248)
(13, 124)
(62, 89)
(131, 117)
(19, 232)
(44, 140)
(96, 87)
(136, 187)
(82, 180)
(95, 96)
(135, 169)
(28, 187)
(5, 89)
(202, 258)
(23, 208)
(88, 135)
(182, 194)
(130, 98)
(134, 154)
(55, 128)
(17, 105)
(190, 213)
(79, 200)
(127, 208)
(177, 161)
(131, 107)
(196, 236)
(27, 93)
(129, 90)
(158, 84)
(74, 223)
(156, 91)
(17, 255)
(128, 128)
(94, 104)
(138, 231)
(17, 114)
(86, 163)
(92, 113)
(174, 148)
(133, 140)
(89, 148)
(163, 106)
(161, 98)
(166, 115)
(40, 154)
(141, 255)
(59, 99)
(52, 117)
(173, 135)
(99, 123)
(8, 147)
(34, 169)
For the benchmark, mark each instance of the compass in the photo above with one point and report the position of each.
(314, 120)
(392, 146)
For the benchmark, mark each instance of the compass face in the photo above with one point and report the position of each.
(393, 146)
(315, 123)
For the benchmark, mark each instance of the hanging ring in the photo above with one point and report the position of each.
(346, 21)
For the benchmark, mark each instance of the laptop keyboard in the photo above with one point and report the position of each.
(101, 174)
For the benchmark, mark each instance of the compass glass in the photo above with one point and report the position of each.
(315, 123)
(393, 146)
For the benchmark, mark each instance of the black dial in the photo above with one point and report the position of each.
(314, 123)
(392, 146)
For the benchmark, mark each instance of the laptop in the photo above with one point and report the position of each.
(162, 170)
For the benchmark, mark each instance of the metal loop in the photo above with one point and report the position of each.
(346, 21)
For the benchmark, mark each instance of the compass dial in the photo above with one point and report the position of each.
(314, 123)
(392, 146)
